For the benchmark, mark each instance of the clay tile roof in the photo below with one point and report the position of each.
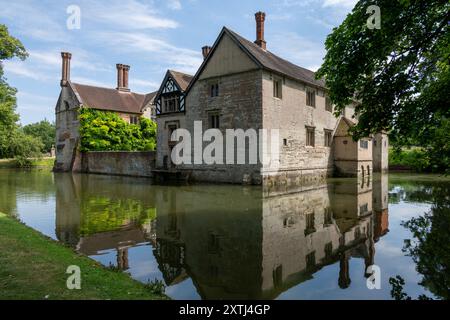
(272, 62)
(149, 99)
(182, 79)
(111, 99)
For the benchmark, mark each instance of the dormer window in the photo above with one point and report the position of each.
(214, 90)
(170, 103)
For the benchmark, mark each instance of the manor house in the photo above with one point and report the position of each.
(242, 85)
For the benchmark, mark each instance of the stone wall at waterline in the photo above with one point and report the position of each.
(136, 164)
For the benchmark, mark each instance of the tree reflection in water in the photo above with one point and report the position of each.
(430, 246)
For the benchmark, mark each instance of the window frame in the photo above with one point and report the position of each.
(363, 144)
(214, 90)
(214, 120)
(134, 119)
(312, 91)
(170, 102)
(310, 140)
(327, 132)
(277, 88)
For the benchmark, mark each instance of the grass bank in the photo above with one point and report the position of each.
(33, 266)
(45, 162)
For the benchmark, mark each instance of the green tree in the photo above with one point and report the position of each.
(13, 141)
(106, 131)
(398, 75)
(44, 130)
(429, 247)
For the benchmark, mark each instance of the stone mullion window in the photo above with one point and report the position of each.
(214, 120)
(328, 137)
(310, 136)
(310, 97)
(214, 90)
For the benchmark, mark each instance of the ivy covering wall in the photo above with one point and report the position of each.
(106, 131)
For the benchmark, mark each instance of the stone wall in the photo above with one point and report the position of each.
(238, 106)
(137, 164)
(380, 152)
(290, 115)
(67, 129)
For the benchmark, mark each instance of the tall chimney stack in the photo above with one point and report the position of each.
(126, 68)
(205, 51)
(122, 77)
(119, 76)
(65, 77)
(260, 18)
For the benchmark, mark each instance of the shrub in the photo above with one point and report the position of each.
(415, 158)
(106, 131)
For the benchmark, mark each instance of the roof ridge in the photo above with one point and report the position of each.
(275, 64)
(184, 73)
(109, 88)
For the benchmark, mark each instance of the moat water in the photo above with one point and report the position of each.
(235, 242)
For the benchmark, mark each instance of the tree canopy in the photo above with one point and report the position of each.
(13, 141)
(398, 75)
(44, 130)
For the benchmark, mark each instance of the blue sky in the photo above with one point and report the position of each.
(150, 36)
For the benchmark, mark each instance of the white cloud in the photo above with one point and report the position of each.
(34, 107)
(30, 101)
(339, 3)
(50, 58)
(298, 50)
(33, 22)
(281, 16)
(20, 68)
(92, 82)
(174, 4)
(143, 85)
(129, 14)
(296, 3)
(184, 59)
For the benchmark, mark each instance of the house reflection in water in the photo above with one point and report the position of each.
(233, 242)
(93, 222)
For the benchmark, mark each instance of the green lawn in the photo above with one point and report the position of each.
(33, 266)
(44, 162)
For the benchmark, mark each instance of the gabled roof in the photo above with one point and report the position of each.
(344, 124)
(111, 99)
(182, 79)
(149, 98)
(270, 61)
(264, 59)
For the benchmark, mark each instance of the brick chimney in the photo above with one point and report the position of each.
(260, 17)
(122, 77)
(126, 69)
(65, 77)
(119, 76)
(205, 51)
